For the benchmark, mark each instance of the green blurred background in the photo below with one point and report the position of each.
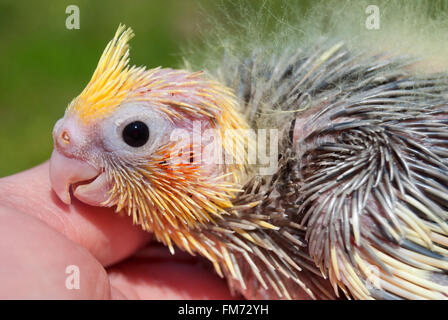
(44, 65)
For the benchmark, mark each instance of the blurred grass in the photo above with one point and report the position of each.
(44, 65)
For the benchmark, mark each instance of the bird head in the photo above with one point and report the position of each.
(151, 143)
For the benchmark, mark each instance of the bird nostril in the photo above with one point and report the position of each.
(65, 137)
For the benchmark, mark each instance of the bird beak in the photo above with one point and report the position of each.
(89, 184)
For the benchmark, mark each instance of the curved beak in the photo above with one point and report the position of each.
(89, 184)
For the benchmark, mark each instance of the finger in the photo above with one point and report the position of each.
(109, 237)
(38, 262)
(157, 274)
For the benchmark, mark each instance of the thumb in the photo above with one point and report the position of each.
(108, 236)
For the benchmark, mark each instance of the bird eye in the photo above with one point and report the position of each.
(136, 134)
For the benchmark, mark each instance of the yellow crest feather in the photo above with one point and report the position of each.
(113, 80)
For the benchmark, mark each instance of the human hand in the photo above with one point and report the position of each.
(40, 237)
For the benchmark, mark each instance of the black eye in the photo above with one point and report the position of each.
(136, 134)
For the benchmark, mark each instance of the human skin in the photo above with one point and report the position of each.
(40, 237)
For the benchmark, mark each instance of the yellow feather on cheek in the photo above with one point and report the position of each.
(169, 199)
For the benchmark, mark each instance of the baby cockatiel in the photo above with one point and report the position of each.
(355, 207)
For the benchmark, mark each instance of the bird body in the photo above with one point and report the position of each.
(364, 167)
(356, 206)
